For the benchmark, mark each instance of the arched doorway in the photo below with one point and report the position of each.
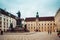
(37, 29)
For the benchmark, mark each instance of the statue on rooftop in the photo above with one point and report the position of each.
(37, 15)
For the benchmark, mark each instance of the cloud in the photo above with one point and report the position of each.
(28, 8)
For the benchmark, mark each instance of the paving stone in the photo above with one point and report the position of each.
(32, 36)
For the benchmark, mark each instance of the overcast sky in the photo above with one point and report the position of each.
(28, 8)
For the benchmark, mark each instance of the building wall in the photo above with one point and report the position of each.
(0, 21)
(41, 26)
(6, 20)
(57, 20)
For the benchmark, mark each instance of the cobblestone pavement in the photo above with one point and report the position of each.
(30, 36)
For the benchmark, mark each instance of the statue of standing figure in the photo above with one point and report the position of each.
(19, 15)
(19, 22)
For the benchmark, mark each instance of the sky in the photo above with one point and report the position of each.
(28, 8)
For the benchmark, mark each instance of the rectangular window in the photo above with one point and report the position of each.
(48, 24)
(0, 26)
(45, 28)
(28, 24)
(7, 25)
(51, 24)
(4, 23)
(31, 27)
(4, 26)
(7, 20)
(42, 29)
(0, 22)
(4, 19)
(0, 18)
(42, 24)
(31, 24)
(34, 27)
(45, 24)
(28, 27)
(39, 27)
(54, 23)
(10, 21)
(0, 14)
(39, 24)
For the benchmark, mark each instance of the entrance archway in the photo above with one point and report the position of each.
(37, 30)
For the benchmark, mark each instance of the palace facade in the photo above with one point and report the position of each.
(6, 19)
(33, 24)
(57, 20)
(40, 24)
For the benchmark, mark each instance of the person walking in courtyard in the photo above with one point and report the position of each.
(1, 32)
(48, 31)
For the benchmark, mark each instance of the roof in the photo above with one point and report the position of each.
(46, 18)
(7, 13)
(40, 19)
(30, 19)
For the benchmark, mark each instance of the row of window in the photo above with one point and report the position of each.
(41, 24)
(6, 23)
(37, 27)
(7, 20)
(41, 29)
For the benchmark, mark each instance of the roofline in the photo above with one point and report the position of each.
(39, 17)
(57, 12)
(7, 13)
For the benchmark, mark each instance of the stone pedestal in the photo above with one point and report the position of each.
(18, 27)
(19, 24)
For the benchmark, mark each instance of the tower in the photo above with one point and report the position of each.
(37, 20)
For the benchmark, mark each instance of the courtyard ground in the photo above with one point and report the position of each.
(30, 36)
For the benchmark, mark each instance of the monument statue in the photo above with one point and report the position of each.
(19, 15)
(19, 24)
